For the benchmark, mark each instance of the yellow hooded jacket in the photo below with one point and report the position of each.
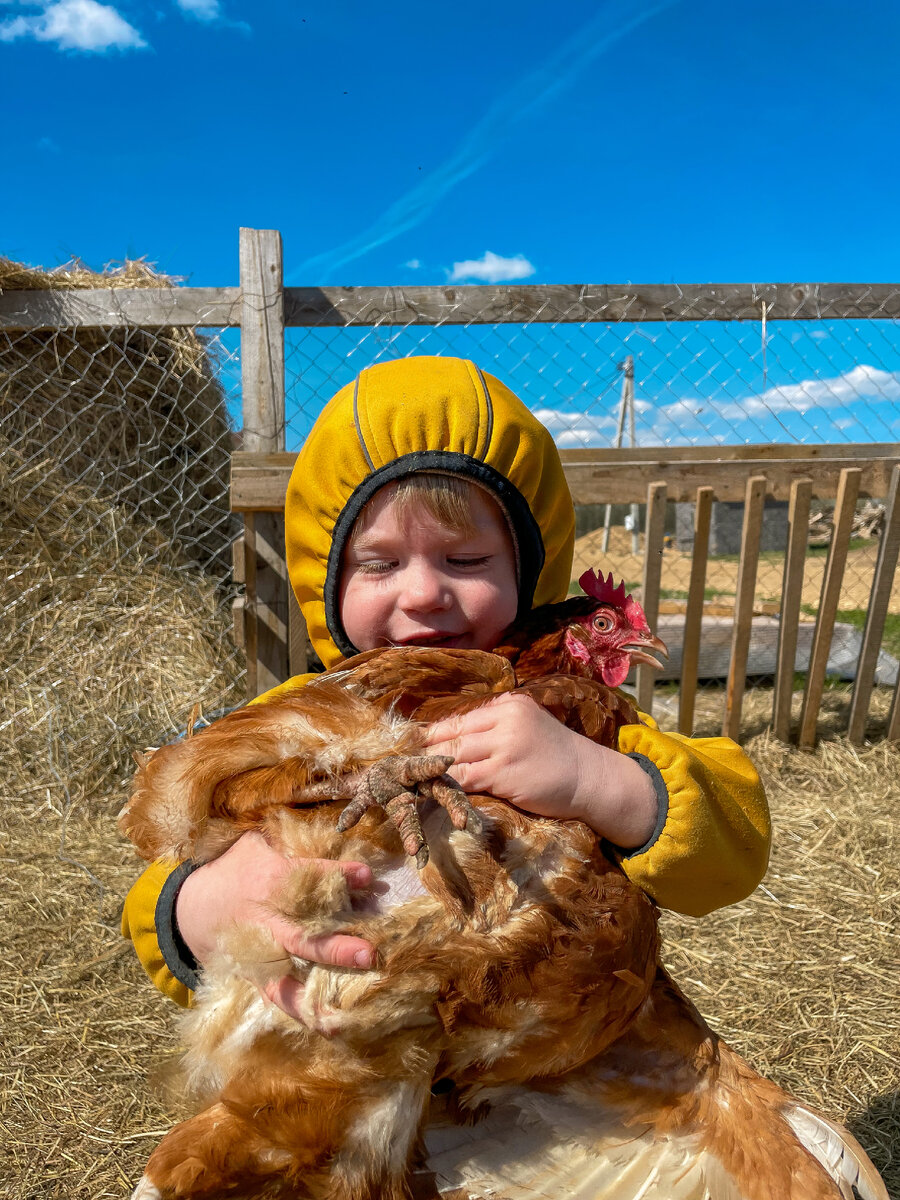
(710, 845)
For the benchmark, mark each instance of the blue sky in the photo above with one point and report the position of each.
(590, 142)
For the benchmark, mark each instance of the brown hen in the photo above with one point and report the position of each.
(519, 966)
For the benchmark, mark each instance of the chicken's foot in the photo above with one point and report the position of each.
(395, 784)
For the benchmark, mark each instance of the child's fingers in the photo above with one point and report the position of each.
(335, 949)
(359, 874)
(480, 720)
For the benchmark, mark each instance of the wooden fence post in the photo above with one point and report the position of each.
(754, 502)
(791, 597)
(875, 616)
(262, 380)
(653, 550)
(844, 508)
(693, 617)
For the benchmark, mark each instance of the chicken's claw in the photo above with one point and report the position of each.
(395, 784)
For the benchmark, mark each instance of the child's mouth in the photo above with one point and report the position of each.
(437, 639)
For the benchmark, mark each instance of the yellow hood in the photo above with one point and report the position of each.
(422, 414)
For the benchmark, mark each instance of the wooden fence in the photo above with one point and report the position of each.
(269, 621)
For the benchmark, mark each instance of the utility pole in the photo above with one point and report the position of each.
(626, 409)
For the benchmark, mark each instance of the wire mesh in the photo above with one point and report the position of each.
(696, 383)
(116, 544)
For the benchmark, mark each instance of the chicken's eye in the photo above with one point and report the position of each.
(602, 623)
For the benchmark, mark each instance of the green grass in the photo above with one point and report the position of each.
(778, 555)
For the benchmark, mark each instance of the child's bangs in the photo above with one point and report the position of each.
(447, 499)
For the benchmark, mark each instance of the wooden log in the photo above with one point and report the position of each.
(112, 308)
(653, 552)
(693, 619)
(262, 381)
(844, 508)
(791, 597)
(258, 483)
(882, 583)
(754, 503)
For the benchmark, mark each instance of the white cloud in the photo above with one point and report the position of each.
(577, 428)
(76, 25)
(491, 268)
(203, 10)
(859, 383)
(414, 264)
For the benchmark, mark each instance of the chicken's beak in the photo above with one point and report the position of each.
(637, 651)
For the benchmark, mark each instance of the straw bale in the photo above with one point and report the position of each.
(137, 415)
(109, 635)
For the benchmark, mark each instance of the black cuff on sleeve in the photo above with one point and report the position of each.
(649, 767)
(179, 958)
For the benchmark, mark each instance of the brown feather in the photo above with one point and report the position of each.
(520, 963)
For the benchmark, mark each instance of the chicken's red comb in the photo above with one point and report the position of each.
(603, 589)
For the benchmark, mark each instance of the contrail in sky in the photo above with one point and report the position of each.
(616, 19)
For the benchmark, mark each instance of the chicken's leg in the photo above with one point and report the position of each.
(394, 784)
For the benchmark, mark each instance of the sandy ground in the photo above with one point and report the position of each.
(722, 573)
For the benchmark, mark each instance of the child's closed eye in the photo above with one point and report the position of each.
(463, 563)
(379, 566)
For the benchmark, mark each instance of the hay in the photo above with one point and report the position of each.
(802, 977)
(108, 637)
(136, 415)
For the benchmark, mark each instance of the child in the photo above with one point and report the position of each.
(428, 506)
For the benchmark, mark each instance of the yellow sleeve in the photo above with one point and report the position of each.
(711, 845)
(148, 923)
(140, 925)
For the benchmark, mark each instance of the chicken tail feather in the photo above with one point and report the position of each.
(838, 1152)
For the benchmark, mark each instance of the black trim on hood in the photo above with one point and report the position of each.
(530, 544)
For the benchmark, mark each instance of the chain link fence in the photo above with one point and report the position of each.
(833, 380)
(115, 537)
(114, 453)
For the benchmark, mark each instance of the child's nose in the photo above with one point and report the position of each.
(424, 590)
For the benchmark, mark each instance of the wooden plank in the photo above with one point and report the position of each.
(653, 552)
(259, 484)
(580, 303)
(104, 308)
(693, 620)
(757, 451)
(754, 502)
(250, 640)
(110, 308)
(882, 584)
(892, 733)
(791, 597)
(262, 340)
(262, 382)
(844, 508)
(298, 635)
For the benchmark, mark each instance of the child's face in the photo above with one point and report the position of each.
(414, 581)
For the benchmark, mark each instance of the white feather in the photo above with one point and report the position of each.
(839, 1153)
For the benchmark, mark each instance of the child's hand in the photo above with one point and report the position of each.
(513, 749)
(236, 887)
